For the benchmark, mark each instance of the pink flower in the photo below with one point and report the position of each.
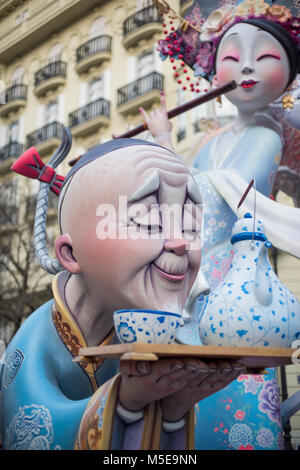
(242, 377)
(227, 407)
(239, 415)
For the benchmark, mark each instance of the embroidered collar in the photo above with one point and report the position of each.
(69, 331)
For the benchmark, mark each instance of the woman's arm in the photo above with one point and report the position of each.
(159, 125)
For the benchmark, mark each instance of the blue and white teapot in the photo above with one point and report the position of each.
(251, 307)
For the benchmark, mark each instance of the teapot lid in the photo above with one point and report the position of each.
(246, 229)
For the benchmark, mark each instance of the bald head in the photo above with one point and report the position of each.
(130, 171)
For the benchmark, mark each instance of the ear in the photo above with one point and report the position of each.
(214, 82)
(64, 254)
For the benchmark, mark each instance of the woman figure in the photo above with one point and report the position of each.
(260, 52)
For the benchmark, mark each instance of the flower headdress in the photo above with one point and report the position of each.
(196, 40)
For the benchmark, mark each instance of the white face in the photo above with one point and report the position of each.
(141, 270)
(257, 62)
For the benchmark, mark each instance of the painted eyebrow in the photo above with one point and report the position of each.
(232, 34)
(150, 186)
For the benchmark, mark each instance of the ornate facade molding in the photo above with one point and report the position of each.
(7, 6)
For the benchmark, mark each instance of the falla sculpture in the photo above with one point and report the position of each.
(256, 44)
(144, 264)
(48, 401)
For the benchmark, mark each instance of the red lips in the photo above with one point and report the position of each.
(248, 83)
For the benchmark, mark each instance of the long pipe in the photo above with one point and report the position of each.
(210, 95)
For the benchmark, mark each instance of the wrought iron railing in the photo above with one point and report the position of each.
(13, 149)
(153, 81)
(15, 92)
(98, 44)
(54, 129)
(145, 16)
(100, 107)
(53, 69)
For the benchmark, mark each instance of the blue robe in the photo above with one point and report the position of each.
(50, 402)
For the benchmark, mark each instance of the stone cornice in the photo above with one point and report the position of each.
(7, 6)
(40, 24)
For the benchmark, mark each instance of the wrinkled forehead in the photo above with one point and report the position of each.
(120, 171)
(133, 164)
(135, 172)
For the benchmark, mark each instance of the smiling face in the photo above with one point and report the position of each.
(257, 62)
(145, 261)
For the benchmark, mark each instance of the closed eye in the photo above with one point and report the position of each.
(230, 57)
(150, 228)
(266, 56)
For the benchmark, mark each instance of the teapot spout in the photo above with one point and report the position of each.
(263, 285)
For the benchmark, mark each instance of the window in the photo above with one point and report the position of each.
(98, 27)
(9, 199)
(51, 112)
(13, 132)
(95, 89)
(17, 76)
(145, 64)
(55, 53)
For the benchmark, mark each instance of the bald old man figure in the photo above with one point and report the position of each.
(145, 260)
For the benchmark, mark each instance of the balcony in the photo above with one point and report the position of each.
(93, 53)
(46, 138)
(7, 153)
(143, 92)
(12, 99)
(141, 25)
(90, 118)
(50, 77)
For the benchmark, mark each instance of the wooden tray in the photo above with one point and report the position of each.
(257, 358)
